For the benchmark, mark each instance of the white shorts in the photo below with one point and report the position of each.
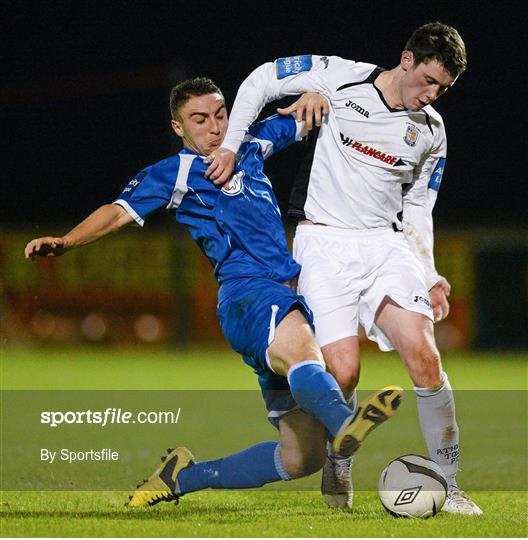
(346, 274)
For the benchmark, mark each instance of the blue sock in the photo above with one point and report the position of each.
(317, 393)
(253, 467)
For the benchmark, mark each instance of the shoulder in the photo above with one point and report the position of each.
(356, 71)
(165, 164)
(323, 64)
(434, 115)
(435, 124)
(174, 165)
(277, 130)
(274, 121)
(169, 170)
(346, 73)
(360, 70)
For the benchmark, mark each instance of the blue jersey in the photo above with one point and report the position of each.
(238, 228)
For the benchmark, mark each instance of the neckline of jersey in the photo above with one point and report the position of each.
(377, 72)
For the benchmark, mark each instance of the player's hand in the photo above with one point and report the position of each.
(222, 165)
(47, 246)
(310, 107)
(438, 295)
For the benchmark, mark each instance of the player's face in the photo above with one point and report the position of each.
(423, 84)
(202, 123)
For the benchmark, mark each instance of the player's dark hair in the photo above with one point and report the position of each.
(438, 41)
(182, 92)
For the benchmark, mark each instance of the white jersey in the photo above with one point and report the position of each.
(371, 165)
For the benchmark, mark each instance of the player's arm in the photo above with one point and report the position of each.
(310, 108)
(418, 230)
(418, 204)
(106, 219)
(280, 130)
(267, 83)
(270, 82)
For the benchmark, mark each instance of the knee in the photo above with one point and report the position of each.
(424, 364)
(342, 361)
(300, 465)
(347, 377)
(286, 353)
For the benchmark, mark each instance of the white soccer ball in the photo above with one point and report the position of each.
(412, 486)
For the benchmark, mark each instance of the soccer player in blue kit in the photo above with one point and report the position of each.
(239, 228)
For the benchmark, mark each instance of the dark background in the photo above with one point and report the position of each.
(84, 92)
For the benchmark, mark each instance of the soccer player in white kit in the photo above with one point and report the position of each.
(365, 233)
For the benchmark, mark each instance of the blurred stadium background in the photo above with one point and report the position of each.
(84, 97)
(155, 287)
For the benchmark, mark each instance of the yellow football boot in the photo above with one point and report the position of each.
(372, 412)
(162, 484)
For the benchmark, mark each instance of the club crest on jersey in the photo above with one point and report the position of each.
(411, 135)
(235, 184)
(293, 65)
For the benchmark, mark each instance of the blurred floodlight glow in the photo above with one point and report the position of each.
(448, 336)
(148, 328)
(43, 324)
(94, 327)
(66, 330)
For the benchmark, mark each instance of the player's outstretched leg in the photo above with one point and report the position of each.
(372, 412)
(162, 484)
(179, 474)
(295, 353)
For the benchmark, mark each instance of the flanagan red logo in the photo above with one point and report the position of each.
(371, 151)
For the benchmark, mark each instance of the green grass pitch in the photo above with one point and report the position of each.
(264, 513)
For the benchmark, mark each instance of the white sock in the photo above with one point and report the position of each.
(436, 411)
(352, 402)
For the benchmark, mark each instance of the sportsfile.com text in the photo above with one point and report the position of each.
(109, 416)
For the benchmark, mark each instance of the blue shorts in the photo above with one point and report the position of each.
(249, 310)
